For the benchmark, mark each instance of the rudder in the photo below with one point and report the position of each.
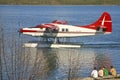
(104, 24)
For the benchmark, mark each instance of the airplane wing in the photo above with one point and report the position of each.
(49, 29)
(51, 26)
(59, 22)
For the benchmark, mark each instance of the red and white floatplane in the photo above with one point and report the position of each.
(60, 29)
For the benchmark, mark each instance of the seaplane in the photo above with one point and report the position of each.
(61, 29)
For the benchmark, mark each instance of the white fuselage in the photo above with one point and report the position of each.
(63, 31)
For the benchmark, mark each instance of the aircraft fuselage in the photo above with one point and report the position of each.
(63, 31)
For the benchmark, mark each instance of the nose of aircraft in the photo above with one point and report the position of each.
(21, 30)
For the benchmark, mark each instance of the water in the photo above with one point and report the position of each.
(97, 51)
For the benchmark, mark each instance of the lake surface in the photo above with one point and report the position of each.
(102, 50)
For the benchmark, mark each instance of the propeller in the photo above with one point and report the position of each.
(19, 31)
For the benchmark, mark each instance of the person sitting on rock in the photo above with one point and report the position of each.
(113, 71)
(105, 71)
(94, 73)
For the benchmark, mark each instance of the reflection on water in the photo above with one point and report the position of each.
(48, 63)
(43, 62)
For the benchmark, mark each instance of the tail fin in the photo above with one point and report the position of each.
(104, 23)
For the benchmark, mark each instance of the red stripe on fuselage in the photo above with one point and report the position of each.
(28, 31)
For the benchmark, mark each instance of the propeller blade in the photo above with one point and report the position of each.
(19, 32)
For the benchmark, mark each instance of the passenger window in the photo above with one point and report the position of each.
(63, 30)
(66, 30)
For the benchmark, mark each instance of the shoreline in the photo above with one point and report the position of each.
(50, 5)
(59, 2)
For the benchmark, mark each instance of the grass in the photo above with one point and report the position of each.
(61, 2)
